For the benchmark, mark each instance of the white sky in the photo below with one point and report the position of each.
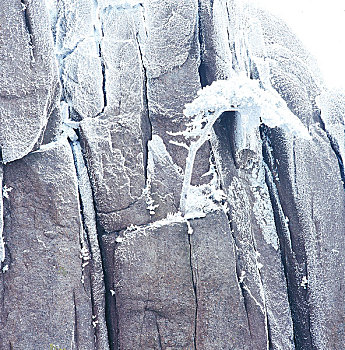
(320, 24)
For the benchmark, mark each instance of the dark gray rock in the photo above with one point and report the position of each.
(145, 96)
(115, 159)
(3, 194)
(115, 139)
(293, 71)
(221, 317)
(171, 57)
(43, 298)
(77, 34)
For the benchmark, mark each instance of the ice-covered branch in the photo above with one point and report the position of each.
(240, 94)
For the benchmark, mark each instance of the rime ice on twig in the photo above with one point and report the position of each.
(240, 94)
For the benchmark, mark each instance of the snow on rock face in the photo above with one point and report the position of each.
(82, 79)
(293, 72)
(28, 79)
(44, 262)
(121, 51)
(114, 155)
(170, 51)
(171, 27)
(241, 171)
(309, 178)
(245, 96)
(215, 39)
(254, 105)
(127, 70)
(120, 4)
(77, 32)
(161, 194)
(332, 106)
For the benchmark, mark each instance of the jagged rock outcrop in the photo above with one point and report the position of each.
(112, 234)
(29, 82)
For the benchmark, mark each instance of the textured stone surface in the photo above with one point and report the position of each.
(221, 318)
(258, 252)
(115, 158)
(97, 254)
(145, 94)
(43, 299)
(2, 243)
(28, 77)
(313, 203)
(293, 72)
(171, 59)
(77, 43)
(154, 293)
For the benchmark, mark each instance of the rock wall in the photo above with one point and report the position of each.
(105, 242)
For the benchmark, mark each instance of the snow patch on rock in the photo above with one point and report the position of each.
(255, 105)
(246, 96)
(121, 4)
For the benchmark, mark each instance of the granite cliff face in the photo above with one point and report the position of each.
(135, 214)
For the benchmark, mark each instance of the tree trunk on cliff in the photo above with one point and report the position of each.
(96, 249)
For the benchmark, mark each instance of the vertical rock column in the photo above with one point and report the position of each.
(29, 86)
(315, 222)
(45, 288)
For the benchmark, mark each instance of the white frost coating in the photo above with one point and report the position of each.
(67, 132)
(262, 209)
(121, 4)
(52, 10)
(156, 151)
(85, 191)
(5, 191)
(77, 31)
(157, 154)
(134, 231)
(68, 125)
(243, 95)
(171, 218)
(242, 276)
(257, 49)
(202, 199)
(332, 105)
(150, 172)
(276, 195)
(137, 231)
(190, 228)
(13, 151)
(246, 33)
(240, 94)
(304, 282)
(89, 218)
(261, 307)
